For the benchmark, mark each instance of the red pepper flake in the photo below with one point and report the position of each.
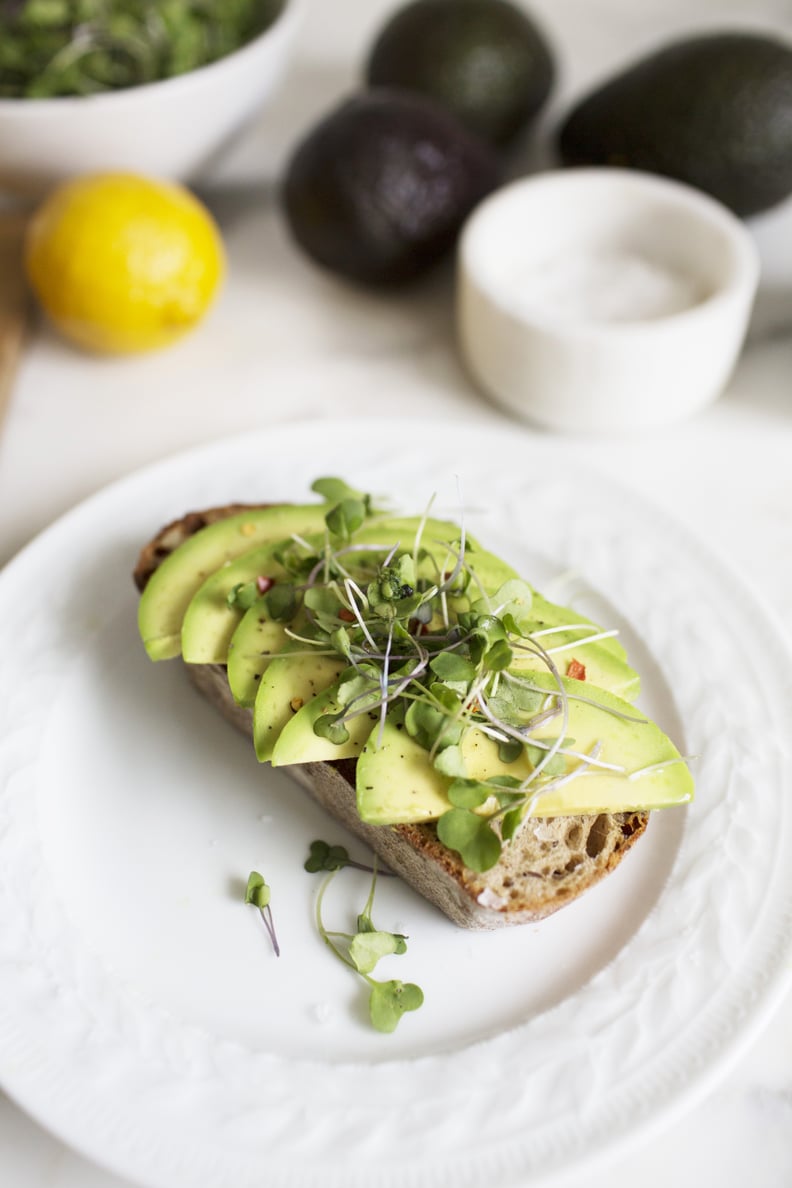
(576, 670)
(264, 583)
(346, 615)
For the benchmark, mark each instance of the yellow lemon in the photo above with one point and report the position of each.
(123, 263)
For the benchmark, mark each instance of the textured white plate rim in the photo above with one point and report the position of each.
(770, 991)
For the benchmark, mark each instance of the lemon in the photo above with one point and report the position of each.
(123, 263)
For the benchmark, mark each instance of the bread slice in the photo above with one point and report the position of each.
(550, 862)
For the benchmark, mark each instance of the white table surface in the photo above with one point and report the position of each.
(287, 343)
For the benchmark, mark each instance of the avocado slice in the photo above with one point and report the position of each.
(256, 640)
(171, 587)
(387, 796)
(298, 742)
(209, 621)
(570, 626)
(603, 669)
(287, 684)
(396, 784)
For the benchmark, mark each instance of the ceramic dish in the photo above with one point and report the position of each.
(168, 128)
(143, 1016)
(602, 300)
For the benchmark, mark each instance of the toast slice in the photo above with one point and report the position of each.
(550, 862)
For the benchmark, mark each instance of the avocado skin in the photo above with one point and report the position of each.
(713, 111)
(379, 189)
(484, 60)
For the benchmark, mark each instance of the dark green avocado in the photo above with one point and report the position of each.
(484, 60)
(713, 111)
(380, 188)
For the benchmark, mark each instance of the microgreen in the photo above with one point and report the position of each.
(323, 857)
(363, 949)
(243, 595)
(432, 651)
(334, 490)
(344, 519)
(78, 47)
(471, 836)
(258, 894)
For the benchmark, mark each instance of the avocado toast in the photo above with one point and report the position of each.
(478, 737)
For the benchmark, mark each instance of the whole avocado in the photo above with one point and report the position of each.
(379, 189)
(484, 60)
(714, 111)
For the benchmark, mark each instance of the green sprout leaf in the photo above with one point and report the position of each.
(511, 822)
(331, 727)
(471, 836)
(510, 751)
(513, 600)
(357, 683)
(281, 602)
(450, 762)
(257, 892)
(450, 666)
(469, 794)
(499, 656)
(345, 518)
(390, 1000)
(368, 947)
(430, 725)
(334, 490)
(323, 856)
(243, 595)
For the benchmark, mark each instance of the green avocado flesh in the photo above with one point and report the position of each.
(397, 642)
(173, 584)
(397, 784)
(602, 668)
(288, 685)
(210, 623)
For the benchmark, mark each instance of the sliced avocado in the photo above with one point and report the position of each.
(569, 624)
(255, 641)
(396, 784)
(634, 745)
(439, 539)
(209, 621)
(298, 743)
(384, 798)
(170, 588)
(288, 684)
(602, 668)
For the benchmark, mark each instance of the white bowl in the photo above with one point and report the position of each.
(168, 129)
(596, 300)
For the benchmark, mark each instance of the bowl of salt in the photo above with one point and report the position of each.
(603, 300)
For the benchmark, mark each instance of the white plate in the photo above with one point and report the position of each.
(143, 1016)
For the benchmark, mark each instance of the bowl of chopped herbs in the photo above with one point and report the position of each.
(127, 84)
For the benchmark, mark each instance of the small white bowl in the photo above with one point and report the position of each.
(168, 129)
(595, 300)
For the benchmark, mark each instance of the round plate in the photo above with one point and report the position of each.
(144, 1017)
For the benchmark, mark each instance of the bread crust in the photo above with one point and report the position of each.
(549, 863)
